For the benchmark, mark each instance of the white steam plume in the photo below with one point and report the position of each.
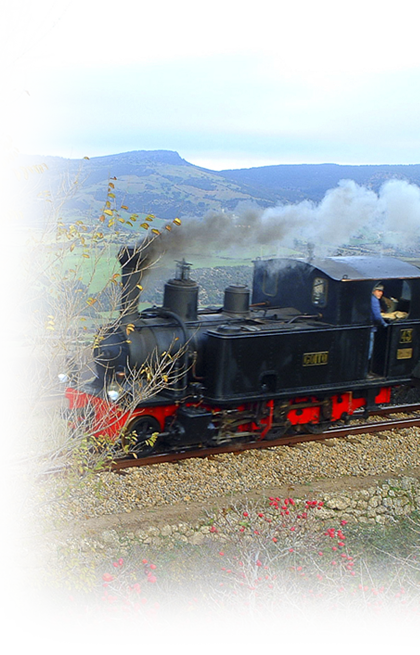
(341, 214)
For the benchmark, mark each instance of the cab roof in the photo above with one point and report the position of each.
(366, 268)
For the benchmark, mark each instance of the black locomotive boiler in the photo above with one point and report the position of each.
(294, 356)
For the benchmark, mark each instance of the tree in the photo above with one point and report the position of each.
(52, 276)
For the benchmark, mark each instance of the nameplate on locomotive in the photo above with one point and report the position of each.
(404, 353)
(406, 336)
(315, 359)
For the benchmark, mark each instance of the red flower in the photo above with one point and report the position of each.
(107, 577)
(246, 514)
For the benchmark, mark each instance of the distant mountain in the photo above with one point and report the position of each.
(162, 183)
(158, 182)
(310, 181)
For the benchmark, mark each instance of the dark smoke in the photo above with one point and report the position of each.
(343, 212)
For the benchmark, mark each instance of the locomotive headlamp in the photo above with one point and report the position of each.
(114, 392)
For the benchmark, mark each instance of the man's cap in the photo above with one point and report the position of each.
(378, 287)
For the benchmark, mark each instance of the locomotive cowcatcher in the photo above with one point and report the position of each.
(295, 357)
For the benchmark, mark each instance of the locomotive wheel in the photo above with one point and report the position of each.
(140, 435)
(279, 431)
(318, 428)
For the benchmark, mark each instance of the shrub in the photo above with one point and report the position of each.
(279, 579)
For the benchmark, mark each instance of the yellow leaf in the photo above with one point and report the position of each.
(108, 204)
(102, 218)
(139, 287)
(112, 185)
(145, 226)
(148, 218)
(124, 207)
(86, 255)
(86, 158)
(177, 221)
(168, 227)
(108, 212)
(111, 195)
(111, 222)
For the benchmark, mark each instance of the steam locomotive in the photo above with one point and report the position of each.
(294, 356)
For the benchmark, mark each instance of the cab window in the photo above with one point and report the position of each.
(270, 283)
(320, 291)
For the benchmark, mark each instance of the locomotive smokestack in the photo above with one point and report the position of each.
(133, 260)
(181, 293)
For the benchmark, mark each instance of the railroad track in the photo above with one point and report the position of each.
(288, 439)
(411, 420)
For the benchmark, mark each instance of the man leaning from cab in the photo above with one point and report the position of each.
(377, 293)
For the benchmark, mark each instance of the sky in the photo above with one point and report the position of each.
(225, 84)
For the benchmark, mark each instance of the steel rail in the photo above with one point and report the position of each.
(286, 440)
(236, 448)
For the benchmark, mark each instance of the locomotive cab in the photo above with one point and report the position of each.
(339, 289)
